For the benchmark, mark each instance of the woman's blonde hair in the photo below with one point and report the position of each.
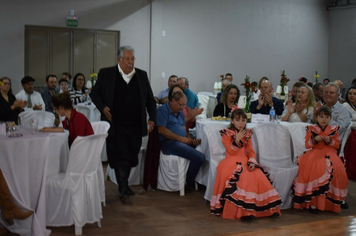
(311, 98)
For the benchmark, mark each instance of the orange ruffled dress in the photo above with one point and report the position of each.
(322, 180)
(238, 191)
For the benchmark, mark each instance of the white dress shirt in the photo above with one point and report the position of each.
(36, 99)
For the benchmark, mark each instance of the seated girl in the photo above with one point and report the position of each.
(303, 109)
(75, 122)
(321, 183)
(242, 188)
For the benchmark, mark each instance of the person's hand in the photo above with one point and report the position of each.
(192, 113)
(107, 113)
(151, 125)
(37, 107)
(327, 139)
(299, 108)
(319, 138)
(196, 142)
(22, 104)
(268, 99)
(240, 135)
(251, 166)
(290, 106)
(317, 105)
(185, 140)
(260, 101)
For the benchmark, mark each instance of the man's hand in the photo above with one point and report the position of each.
(196, 142)
(260, 102)
(151, 125)
(107, 113)
(268, 100)
(37, 107)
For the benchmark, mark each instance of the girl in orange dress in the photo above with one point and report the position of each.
(321, 183)
(242, 189)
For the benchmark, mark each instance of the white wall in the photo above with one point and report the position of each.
(342, 46)
(207, 38)
(204, 38)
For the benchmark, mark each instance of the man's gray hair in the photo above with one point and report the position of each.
(185, 80)
(121, 50)
(270, 82)
(225, 80)
(177, 95)
(332, 84)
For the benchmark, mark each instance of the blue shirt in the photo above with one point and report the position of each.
(163, 93)
(192, 99)
(166, 118)
(218, 97)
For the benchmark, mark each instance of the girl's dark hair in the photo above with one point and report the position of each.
(347, 94)
(74, 85)
(238, 113)
(170, 92)
(62, 99)
(323, 111)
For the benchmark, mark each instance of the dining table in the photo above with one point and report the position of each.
(26, 158)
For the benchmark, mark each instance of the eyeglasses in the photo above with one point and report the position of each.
(181, 105)
(6, 83)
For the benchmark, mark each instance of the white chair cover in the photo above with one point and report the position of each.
(344, 140)
(216, 153)
(172, 173)
(73, 197)
(101, 127)
(84, 110)
(45, 119)
(136, 173)
(202, 176)
(274, 145)
(298, 131)
(203, 100)
(205, 93)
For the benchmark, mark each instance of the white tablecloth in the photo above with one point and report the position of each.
(25, 162)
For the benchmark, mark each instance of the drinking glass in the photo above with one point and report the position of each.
(20, 122)
(8, 127)
(34, 125)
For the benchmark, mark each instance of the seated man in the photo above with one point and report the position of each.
(266, 100)
(163, 95)
(192, 98)
(33, 98)
(318, 92)
(224, 84)
(48, 91)
(174, 138)
(340, 116)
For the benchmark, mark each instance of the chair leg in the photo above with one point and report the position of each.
(104, 203)
(99, 223)
(196, 186)
(78, 230)
(181, 192)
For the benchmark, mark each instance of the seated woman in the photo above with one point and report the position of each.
(78, 92)
(242, 188)
(303, 109)
(9, 106)
(321, 183)
(229, 99)
(75, 122)
(295, 89)
(350, 155)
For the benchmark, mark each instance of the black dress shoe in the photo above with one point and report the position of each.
(275, 215)
(249, 218)
(313, 211)
(344, 205)
(130, 192)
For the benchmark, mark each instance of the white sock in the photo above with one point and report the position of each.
(312, 207)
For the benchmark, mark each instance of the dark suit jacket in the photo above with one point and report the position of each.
(103, 94)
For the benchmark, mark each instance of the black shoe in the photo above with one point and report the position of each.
(313, 211)
(130, 192)
(344, 205)
(249, 218)
(275, 215)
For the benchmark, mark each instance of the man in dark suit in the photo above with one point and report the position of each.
(123, 94)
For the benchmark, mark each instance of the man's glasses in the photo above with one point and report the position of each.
(181, 105)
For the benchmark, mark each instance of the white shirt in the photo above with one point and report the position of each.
(126, 77)
(295, 117)
(353, 114)
(36, 99)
